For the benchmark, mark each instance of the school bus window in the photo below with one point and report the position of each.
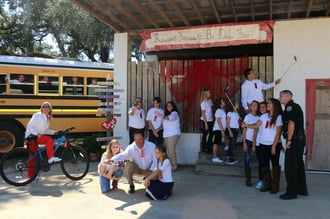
(21, 83)
(2, 83)
(73, 85)
(48, 84)
(93, 84)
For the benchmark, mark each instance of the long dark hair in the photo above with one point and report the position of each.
(218, 102)
(162, 149)
(174, 108)
(277, 110)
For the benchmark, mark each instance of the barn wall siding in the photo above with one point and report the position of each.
(182, 80)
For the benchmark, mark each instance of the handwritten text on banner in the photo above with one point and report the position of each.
(207, 36)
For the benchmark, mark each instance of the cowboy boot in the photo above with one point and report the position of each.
(267, 185)
(276, 179)
(248, 178)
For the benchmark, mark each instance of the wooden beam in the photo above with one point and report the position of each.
(126, 13)
(289, 9)
(96, 13)
(233, 10)
(105, 9)
(215, 11)
(252, 10)
(144, 13)
(179, 12)
(217, 52)
(309, 7)
(327, 11)
(154, 4)
(199, 14)
(270, 9)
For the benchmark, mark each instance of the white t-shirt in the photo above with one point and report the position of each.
(207, 106)
(250, 119)
(234, 120)
(172, 126)
(252, 90)
(220, 114)
(137, 120)
(166, 169)
(267, 132)
(156, 121)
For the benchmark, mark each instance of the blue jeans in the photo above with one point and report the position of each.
(105, 182)
(232, 142)
(247, 156)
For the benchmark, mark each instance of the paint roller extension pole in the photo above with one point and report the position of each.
(288, 69)
(225, 90)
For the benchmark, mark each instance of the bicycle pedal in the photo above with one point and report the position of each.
(38, 179)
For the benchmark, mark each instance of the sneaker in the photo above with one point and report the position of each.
(226, 148)
(259, 185)
(114, 187)
(231, 161)
(217, 160)
(131, 189)
(54, 160)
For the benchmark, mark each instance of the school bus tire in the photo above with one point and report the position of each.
(10, 136)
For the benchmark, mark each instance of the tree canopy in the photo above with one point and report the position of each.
(25, 24)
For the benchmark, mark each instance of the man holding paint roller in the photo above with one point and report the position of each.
(252, 88)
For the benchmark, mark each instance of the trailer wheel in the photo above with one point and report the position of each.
(10, 136)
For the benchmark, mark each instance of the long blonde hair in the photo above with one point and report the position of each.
(204, 94)
(50, 116)
(108, 153)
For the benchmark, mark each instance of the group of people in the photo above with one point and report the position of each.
(154, 159)
(225, 125)
(161, 126)
(140, 157)
(143, 158)
(262, 127)
(265, 140)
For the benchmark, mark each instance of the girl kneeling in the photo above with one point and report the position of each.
(161, 188)
(108, 170)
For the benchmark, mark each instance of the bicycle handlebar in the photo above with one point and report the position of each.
(65, 131)
(68, 129)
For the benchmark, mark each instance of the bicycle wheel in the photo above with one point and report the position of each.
(75, 162)
(18, 167)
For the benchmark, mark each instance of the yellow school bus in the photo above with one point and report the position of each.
(72, 87)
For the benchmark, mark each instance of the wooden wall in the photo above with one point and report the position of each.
(182, 80)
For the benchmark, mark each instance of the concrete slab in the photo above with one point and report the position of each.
(195, 196)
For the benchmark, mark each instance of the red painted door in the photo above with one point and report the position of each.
(318, 124)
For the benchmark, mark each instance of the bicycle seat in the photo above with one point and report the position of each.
(31, 138)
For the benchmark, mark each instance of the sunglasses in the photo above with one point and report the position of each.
(46, 106)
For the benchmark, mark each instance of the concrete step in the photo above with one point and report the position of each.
(205, 166)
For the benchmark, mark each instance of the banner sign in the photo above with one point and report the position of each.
(207, 36)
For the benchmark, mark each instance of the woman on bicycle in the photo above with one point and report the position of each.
(110, 171)
(39, 126)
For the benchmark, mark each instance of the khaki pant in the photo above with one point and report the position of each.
(130, 169)
(170, 143)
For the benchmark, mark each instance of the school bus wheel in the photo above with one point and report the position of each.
(7, 141)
